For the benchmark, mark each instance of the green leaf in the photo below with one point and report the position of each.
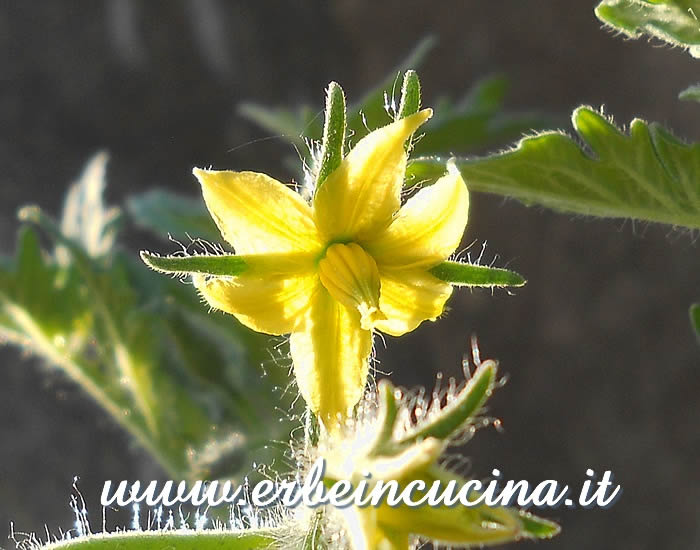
(186, 384)
(180, 540)
(56, 321)
(137, 342)
(457, 412)
(647, 174)
(487, 94)
(165, 213)
(224, 264)
(691, 93)
(85, 217)
(333, 141)
(463, 274)
(673, 21)
(695, 319)
(291, 125)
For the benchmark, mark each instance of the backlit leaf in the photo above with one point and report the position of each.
(673, 21)
(645, 174)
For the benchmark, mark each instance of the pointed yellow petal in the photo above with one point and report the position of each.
(409, 297)
(258, 214)
(428, 228)
(364, 192)
(274, 303)
(331, 358)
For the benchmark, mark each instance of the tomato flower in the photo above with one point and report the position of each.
(333, 271)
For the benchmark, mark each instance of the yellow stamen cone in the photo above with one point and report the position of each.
(351, 276)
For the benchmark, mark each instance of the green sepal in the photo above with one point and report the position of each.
(691, 93)
(410, 94)
(410, 99)
(673, 21)
(695, 319)
(463, 274)
(536, 527)
(456, 413)
(222, 265)
(141, 345)
(333, 142)
(178, 540)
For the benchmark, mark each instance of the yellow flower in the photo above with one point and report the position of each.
(333, 271)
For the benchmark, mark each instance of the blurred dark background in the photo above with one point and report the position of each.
(603, 366)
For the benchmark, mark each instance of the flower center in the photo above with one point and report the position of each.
(351, 276)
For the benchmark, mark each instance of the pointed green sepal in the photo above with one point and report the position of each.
(333, 132)
(222, 265)
(177, 540)
(457, 412)
(536, 527)
(410, 94)
(463, 274)
(695, 319)
(410, 99)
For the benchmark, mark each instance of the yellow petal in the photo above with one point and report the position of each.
(257, 214)
(274, 304)
(428, 228)
(364, 192)
(409, 297)
(331, 358)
